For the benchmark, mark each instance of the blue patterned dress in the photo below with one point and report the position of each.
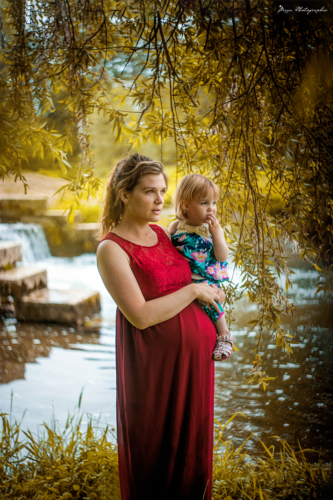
(196, 245)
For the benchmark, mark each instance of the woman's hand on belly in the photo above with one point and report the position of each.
(197, 277)
(222, 295)
(209, 294)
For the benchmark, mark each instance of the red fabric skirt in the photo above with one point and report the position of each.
(165, 407)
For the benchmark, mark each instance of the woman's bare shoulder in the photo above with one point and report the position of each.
(108, 250)
(106, 246)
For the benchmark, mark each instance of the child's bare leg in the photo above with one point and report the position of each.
(221, 327)
(221, 324)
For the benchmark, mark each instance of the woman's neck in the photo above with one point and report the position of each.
(136, 231)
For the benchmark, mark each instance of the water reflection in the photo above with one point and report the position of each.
(46, 366)
(24, 343)
(298, 403)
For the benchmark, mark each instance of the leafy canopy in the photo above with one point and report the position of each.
(245, 91)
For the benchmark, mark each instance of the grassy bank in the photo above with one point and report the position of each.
(72, 464)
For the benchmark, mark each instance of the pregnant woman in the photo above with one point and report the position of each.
(164, 343)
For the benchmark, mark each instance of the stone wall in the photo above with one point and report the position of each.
(64, 239)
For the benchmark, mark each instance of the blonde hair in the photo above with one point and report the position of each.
(124, 177)
(191, 187)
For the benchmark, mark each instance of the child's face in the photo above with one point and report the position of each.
(197, 211)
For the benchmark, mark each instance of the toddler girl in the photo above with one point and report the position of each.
(198, 235)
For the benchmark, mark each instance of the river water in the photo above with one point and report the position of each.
(45, 367)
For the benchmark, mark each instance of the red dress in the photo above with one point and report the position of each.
(165, 386)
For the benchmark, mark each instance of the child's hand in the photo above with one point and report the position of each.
(213, 224)
(221, 251)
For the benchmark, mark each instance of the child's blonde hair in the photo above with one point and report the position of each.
(192, 187)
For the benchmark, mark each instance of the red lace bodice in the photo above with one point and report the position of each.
(159, 269)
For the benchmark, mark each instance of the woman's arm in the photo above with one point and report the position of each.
(118, 278)
(221, 250)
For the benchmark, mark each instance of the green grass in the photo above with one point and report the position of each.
(76, 464)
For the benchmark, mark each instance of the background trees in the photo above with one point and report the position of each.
(244, 90)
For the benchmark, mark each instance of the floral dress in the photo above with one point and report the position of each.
(196, 245)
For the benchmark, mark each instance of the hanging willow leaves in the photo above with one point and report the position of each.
(245, 91)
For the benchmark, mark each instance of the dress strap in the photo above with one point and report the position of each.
(158, 230)
(124, 244)
(112, 237)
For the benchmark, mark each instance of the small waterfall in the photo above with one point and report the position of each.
(30, 236)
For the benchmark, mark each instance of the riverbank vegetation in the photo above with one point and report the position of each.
(73, 463)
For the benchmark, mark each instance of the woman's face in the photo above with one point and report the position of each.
(146, 200)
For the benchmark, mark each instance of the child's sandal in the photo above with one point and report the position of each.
(223, 348)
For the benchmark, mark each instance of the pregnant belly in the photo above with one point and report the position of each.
(160, 367)
(190, 332)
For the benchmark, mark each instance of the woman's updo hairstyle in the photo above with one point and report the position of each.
(124, 177)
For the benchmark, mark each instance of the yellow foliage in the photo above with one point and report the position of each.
(84, 465)
(245, 102)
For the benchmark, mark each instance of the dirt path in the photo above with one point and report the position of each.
(39, 185)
